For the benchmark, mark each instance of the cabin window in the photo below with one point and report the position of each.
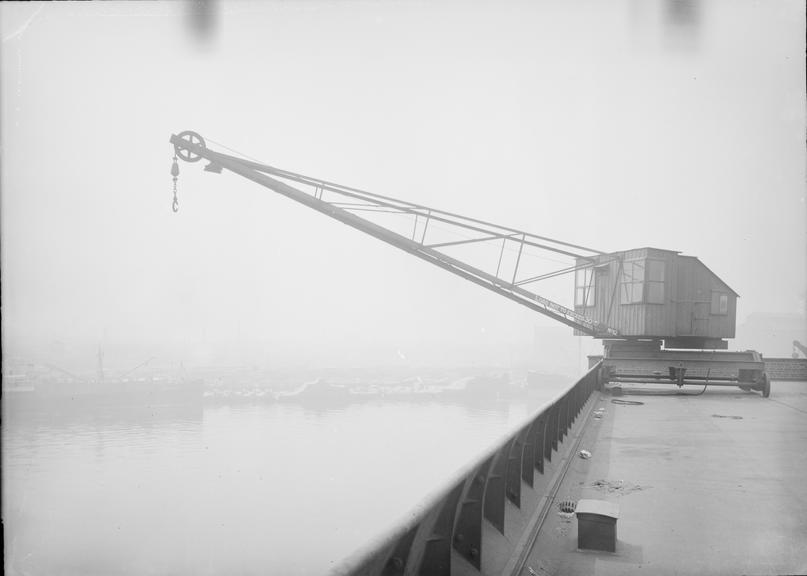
(642, 281)
(632, 285)
(584, 287)
(720, 303)
(655, 281)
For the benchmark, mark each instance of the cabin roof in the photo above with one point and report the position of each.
(679, 255)
(712, 273)
(656, 249)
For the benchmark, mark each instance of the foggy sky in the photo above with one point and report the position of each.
(609, 124)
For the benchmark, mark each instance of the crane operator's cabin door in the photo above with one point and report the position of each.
(692, 319)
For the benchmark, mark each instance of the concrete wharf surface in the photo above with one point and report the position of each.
(709, 484)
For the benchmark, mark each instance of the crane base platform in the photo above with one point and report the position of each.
(647, 363)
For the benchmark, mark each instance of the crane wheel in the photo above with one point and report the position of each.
(192, 138)
(766, 386)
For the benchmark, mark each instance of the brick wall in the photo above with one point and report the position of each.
(786, 368)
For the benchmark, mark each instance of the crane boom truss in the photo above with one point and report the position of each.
(344, 204)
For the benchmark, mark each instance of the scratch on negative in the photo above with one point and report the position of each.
(21, 30)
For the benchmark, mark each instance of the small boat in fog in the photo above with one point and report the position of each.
(32, 385)
(136, 391)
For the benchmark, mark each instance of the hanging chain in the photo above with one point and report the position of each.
(175, 174)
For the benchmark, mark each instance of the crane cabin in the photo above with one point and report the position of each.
(657, 295)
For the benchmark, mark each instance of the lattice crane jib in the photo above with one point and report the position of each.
(425, 232)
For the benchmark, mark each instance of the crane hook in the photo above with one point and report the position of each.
(175, 175)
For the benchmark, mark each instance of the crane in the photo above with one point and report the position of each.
(348, 205)
(663, 317)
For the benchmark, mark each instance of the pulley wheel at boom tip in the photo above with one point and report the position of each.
(192, 138)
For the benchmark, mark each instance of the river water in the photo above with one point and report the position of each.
(225, 488)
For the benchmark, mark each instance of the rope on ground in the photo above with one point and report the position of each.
(627, 402)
